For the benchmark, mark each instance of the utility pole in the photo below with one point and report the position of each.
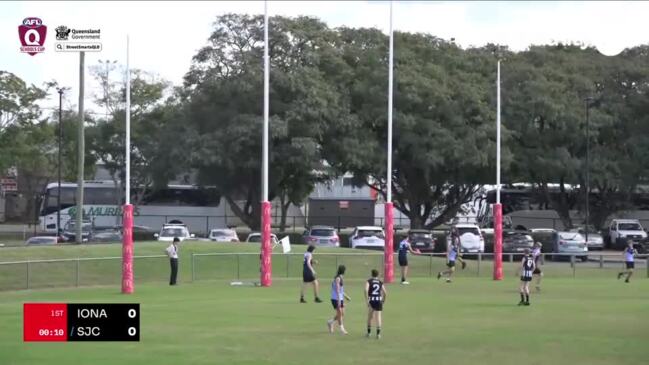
(58, 193)
(81, 152)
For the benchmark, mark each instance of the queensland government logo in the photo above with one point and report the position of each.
(32, 35)
(62, 33)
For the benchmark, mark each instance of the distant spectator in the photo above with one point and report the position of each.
(172, 252)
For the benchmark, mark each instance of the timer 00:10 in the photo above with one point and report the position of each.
(55, 332)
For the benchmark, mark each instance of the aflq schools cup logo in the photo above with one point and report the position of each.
(32, 35)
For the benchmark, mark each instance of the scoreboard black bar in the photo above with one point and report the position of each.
(103, 322)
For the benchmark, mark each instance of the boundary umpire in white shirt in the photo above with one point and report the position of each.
(172, 252)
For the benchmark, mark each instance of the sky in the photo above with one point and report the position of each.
(165, 35)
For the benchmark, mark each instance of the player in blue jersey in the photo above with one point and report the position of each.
(452, 255)
(375, 295)
(404, 248)
(536, 255)
(629, 261)
(527, 270)
(338, 297)
(309, 275)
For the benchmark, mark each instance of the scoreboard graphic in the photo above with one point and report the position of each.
(61, 322)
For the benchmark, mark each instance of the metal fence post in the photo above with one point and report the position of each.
(192, 265)
(511, 257)
(238, 266)
(601, 261)
(27, 277)
(287, 263)
(77, 271)
(430, 266)
(479, 261)
(572, 263)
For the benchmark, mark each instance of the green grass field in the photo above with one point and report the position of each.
(589, 319)
(471, 321)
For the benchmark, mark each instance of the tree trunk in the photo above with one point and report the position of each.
(282, 226)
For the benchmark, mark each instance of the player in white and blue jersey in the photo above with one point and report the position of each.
(536, 255)
(452, 255)
(629, 261)
(338, 297)
(527, 270)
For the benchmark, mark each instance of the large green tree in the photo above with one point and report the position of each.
(444, 130)
(224, 103)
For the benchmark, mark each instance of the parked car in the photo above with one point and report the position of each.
(70, 233)
(223, 235)
(570, 243)
(256, 237)
(621, 230)
(471, 239)
(517, 241)
(595, 240)
(169, 231)
(42, 240)
(642, 246)
(321, 236)
(545, 236)
(367, 237)
(108, 235)
(421, 239)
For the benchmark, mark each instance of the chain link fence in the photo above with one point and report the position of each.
(106, 271)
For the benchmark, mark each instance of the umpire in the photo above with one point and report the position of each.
(172, 252)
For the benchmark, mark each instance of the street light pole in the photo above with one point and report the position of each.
(58, 193)
(588, 101)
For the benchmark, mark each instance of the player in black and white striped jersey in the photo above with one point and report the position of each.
(527, 270)
(375, 297)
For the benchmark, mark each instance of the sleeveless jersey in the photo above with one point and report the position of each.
(374, 290)
(452, 255)
(628, 254)
(334, 292)
(536, 253)
(307, 260)
(403, 248)
(528, 266)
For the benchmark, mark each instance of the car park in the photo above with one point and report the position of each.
(371, 237)
(517, 241)
(595, 240)
(321, 236)
(70, 233)
(622, 230)
(255, 237)
(471, 239)
(545, 236)
(170, 231)
(223, 235)
(42, 240)
(421, 239)
(571, 243)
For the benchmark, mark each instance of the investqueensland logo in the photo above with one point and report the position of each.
(32, 33)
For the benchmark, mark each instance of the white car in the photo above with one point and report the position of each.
(256, 237)
(223, 235)
(169, 231)
(367, 237)
(622, 230)
(471, 239)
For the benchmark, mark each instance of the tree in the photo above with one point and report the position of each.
(153, 128)
(444, 134)
(224, 91)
